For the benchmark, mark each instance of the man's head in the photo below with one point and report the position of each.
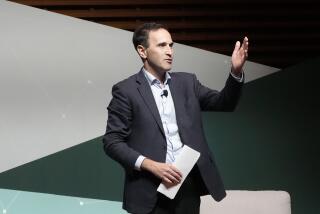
(154, 44)
(141, 34)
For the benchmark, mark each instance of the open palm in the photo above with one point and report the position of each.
(239, 56)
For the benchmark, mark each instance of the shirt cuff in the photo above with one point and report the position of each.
(138, 162)
(239, 79)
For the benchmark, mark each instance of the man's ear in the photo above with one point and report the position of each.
(142, 52)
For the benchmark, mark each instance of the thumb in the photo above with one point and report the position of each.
(236, 47)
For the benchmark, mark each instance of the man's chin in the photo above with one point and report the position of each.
(167, 69)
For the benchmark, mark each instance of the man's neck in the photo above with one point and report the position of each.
(159, 75)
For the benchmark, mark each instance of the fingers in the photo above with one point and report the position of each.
(245, 43)
(242, 47)
(236, 48)
(166, 172)
(167, 184)
(167, 181)
(173, 174)
(240, 55)
(245, 46)
(170, 178)
(177, 172)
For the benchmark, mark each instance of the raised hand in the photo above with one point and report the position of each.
(239, 56)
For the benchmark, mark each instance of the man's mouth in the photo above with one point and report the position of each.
(169, 61)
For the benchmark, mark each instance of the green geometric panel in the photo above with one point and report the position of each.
(83, 171)
(272, 140)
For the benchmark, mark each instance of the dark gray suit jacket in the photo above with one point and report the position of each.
(134, 128)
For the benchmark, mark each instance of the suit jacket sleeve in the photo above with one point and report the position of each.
(119, 129)
(225, 100)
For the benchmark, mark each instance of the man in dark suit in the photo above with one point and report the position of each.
(153, 114)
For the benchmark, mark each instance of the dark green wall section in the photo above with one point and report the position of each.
(83, 170)
(271, 142)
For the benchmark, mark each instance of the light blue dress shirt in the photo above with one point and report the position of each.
(167, 114)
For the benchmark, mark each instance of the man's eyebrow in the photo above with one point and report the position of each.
(162, 44)
(165, 43)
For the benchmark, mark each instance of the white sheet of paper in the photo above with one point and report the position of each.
(184, 162)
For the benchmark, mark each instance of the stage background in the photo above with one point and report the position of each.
(56, 78)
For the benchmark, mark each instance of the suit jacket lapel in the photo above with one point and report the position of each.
(178, 100)
(146, 93)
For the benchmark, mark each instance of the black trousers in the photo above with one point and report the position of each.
(187, 200)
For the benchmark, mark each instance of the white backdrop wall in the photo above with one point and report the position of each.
(56, 74)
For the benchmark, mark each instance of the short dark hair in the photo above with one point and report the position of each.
(141, 34)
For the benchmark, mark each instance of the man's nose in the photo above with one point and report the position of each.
(169, 51)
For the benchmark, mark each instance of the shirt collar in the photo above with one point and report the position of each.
(153, 80)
